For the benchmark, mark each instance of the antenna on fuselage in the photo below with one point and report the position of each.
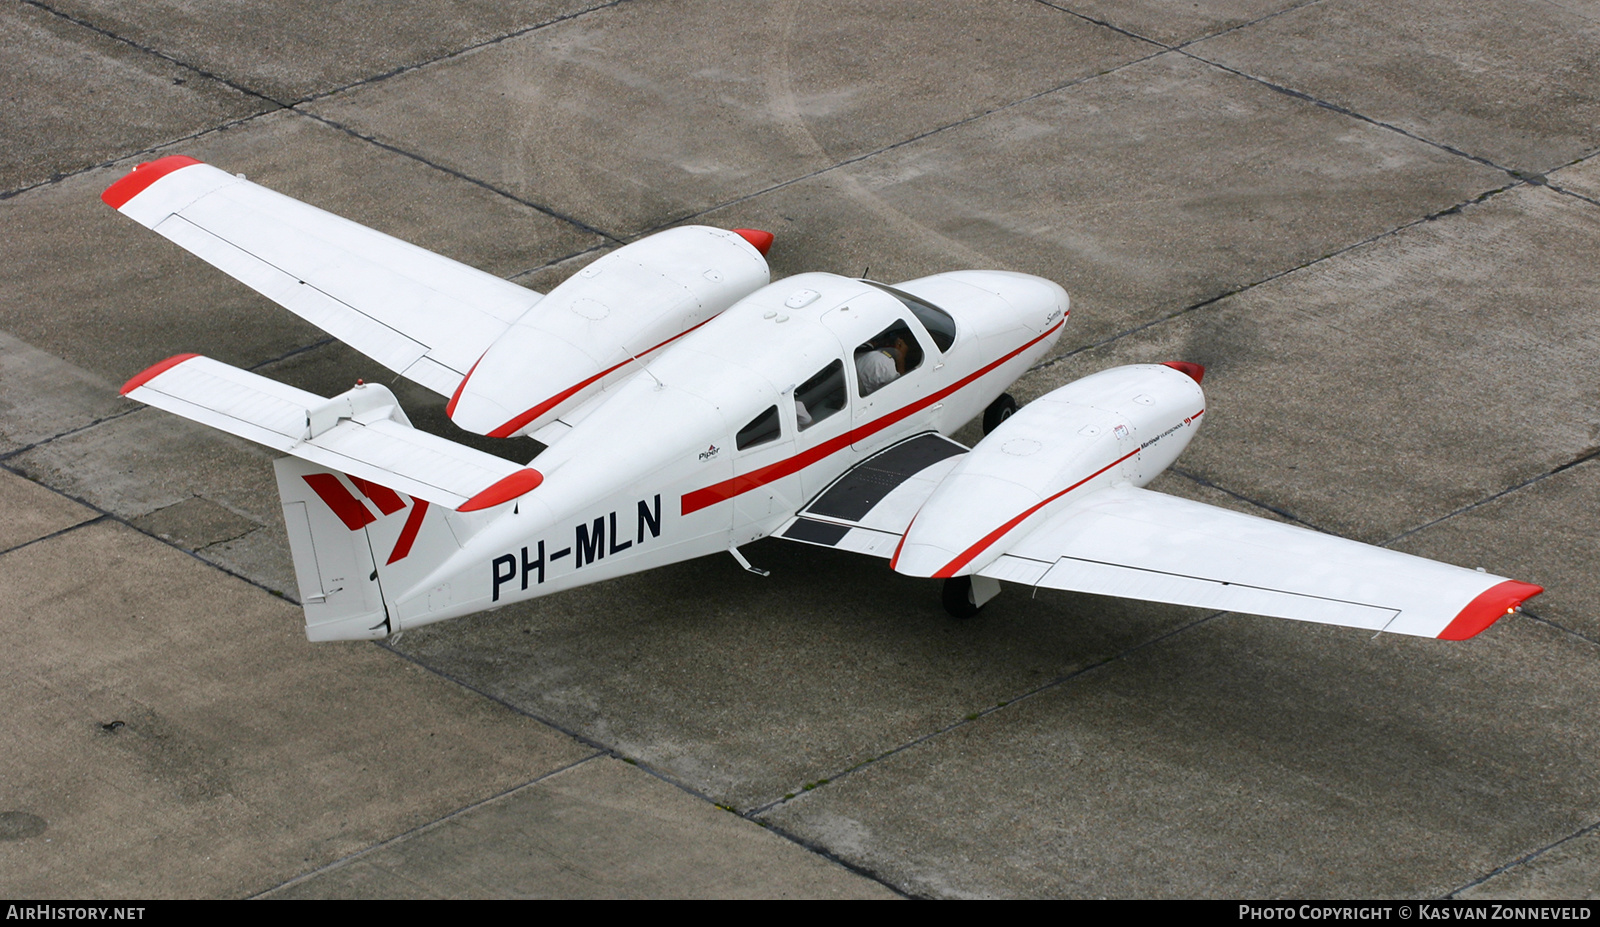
(645, 368)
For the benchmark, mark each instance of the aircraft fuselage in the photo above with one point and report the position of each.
(731, 429)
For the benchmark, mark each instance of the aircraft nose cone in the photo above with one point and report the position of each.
(1039, 301)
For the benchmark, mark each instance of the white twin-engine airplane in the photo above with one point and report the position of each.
(690, 407)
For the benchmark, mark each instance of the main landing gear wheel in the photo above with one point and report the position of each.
(958, 598)
(998, 411)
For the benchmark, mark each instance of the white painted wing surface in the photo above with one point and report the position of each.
(365, 434)
(1139, 544)
(418, 313)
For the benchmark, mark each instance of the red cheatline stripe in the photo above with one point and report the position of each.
(153, 371)
(967, 556)
(1487, 608)
(388, 500)
(727, 489)
(512, 427)
(134, 182)
(349, 509)
(522, 481)
(408, 534)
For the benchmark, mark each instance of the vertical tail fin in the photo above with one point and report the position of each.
(355, 544)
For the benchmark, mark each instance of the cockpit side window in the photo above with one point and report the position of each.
(762, 428)
(890, 355)
(941, 327)
(820, 396)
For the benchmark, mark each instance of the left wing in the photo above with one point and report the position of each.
(420, 314)
(868, 509)
(1139, 544)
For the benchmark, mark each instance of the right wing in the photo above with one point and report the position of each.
(420, 314)
(1140, 544)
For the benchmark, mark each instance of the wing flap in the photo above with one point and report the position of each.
(368, 437)
(418, 313)
(1152, 586)
(1139, 544)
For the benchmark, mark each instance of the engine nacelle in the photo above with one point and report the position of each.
(1123, 425)
(587, 333)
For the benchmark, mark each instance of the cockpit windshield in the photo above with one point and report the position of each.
(941, 327)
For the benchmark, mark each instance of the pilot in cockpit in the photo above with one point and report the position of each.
(882, 360)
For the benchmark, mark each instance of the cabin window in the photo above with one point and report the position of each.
(820, 396)
(762, 429)
(890, 355)
(941, 327)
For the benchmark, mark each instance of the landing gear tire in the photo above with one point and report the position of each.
(957, 595)
(998, 411)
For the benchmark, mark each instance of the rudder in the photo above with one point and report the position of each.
(352, 541)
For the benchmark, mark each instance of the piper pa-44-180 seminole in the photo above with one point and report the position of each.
(688, 407)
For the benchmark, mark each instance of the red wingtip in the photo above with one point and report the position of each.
(1492, 604)
(1195, 371)
(522, 481)
(142, 176)
(758, 239)
(154, 371)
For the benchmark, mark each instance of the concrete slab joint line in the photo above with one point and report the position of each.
(1212, 300)
(1523, 861)
(278, 104)
(1346, 111)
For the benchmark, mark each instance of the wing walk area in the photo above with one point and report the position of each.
(869, 507)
